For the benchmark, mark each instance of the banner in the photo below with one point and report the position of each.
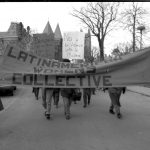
(25, 69)
(73, 45)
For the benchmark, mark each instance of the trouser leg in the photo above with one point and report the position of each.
(43, 97)
(56, 98)
(37, 93)
(49, 94)
(85, 100)
(89, 98)
(66, 106)
(117, 109)
(116, 104)
(113, 102)
(118, 99)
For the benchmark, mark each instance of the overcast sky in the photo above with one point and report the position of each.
(37, 14)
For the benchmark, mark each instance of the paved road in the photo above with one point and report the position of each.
(24, 127)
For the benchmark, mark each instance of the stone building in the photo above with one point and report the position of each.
(46, 44)
(16, 35)
(9, 37)
(43, 44)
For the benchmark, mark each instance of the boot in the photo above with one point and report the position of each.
(111, 111)
(48, 116)
(117, 108)
(119, 115)
(67, 116)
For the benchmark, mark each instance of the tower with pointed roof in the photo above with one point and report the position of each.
(48, 30)
(57, 33)
(58, 43)
(44, 43)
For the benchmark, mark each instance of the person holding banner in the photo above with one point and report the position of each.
(66, 94)
(115, 93)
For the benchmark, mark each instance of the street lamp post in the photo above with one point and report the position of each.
(141, 28)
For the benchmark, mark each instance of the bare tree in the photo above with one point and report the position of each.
(92, 55)
(122, 49)
(132, 18)
(99, 18)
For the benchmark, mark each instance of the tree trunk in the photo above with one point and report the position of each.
(101, 47)
(133, 41)
(134, 35)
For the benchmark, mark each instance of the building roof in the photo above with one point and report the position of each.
(12, 31)
(48, 29)
(58, 32)
(6, 35)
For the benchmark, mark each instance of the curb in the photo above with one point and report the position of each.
(139, 93)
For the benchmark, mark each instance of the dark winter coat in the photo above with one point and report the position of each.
(67, 92)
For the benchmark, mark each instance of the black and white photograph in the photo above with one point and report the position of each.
(75, 75)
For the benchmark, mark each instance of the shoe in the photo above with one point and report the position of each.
(111, 111)
(119, 115)
(67, 117)
(48, 116)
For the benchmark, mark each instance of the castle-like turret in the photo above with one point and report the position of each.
(57, 33)
(58, 43)
(48, 29)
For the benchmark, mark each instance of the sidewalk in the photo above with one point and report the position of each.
(140, 89)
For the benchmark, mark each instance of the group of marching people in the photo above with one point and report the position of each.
(49, 94)
(67, 95)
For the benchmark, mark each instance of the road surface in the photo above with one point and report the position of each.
(24, 127)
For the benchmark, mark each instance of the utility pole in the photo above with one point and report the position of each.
(141, 28)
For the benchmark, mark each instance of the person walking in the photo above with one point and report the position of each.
(115, 93)
(47, 94)
(66, 94)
